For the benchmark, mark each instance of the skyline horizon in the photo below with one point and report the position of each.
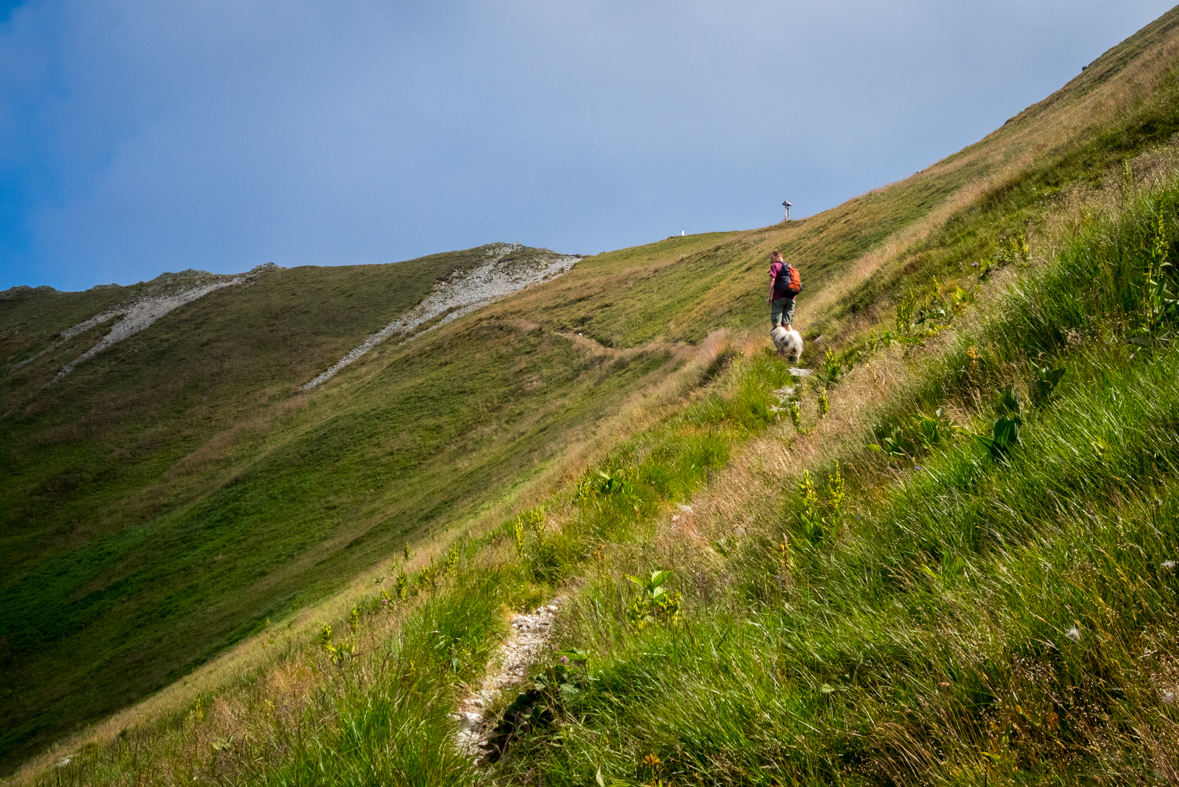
(137, 140)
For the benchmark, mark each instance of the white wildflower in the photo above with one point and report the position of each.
(1169, 565)
(1074, 634)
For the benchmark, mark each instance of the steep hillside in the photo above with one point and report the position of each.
(918, 613)
(171, 493)
(858, 257)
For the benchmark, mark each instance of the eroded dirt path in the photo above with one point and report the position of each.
(529, 638)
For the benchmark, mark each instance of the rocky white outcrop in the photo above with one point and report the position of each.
(496, 278)
(137, 315)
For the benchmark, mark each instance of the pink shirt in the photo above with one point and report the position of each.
(775, 269)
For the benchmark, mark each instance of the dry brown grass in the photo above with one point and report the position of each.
(878, 258)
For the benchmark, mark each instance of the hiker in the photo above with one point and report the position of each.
(782, 291)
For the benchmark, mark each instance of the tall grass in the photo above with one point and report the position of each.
(953, 616)
(358, 707)
(975, 618)
(827, 640)
(370, 701)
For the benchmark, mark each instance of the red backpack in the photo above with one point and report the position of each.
(789, 283)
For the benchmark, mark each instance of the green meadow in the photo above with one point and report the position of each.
(946, 556)
(175, 492)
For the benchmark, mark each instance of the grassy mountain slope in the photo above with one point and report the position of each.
(950, 610)
(175, 491)
(861, 255)
(783, 659)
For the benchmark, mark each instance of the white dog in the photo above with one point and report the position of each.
(789, 343)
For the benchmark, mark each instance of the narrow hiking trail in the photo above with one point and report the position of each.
(594, 347)
(531, 635)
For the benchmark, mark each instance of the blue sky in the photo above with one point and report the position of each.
(143, 136)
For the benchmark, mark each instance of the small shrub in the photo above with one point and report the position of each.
(818, 517)
(518, 531)
(932, 430)
(533, 518)
(1158, 300)
(832, 368)
(429, 574)
(810, 516)
(603, 483)
(655, 603)
(340, 651)
(1005, 432)
(904, 320)
(915, 436)
(1044, 381)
